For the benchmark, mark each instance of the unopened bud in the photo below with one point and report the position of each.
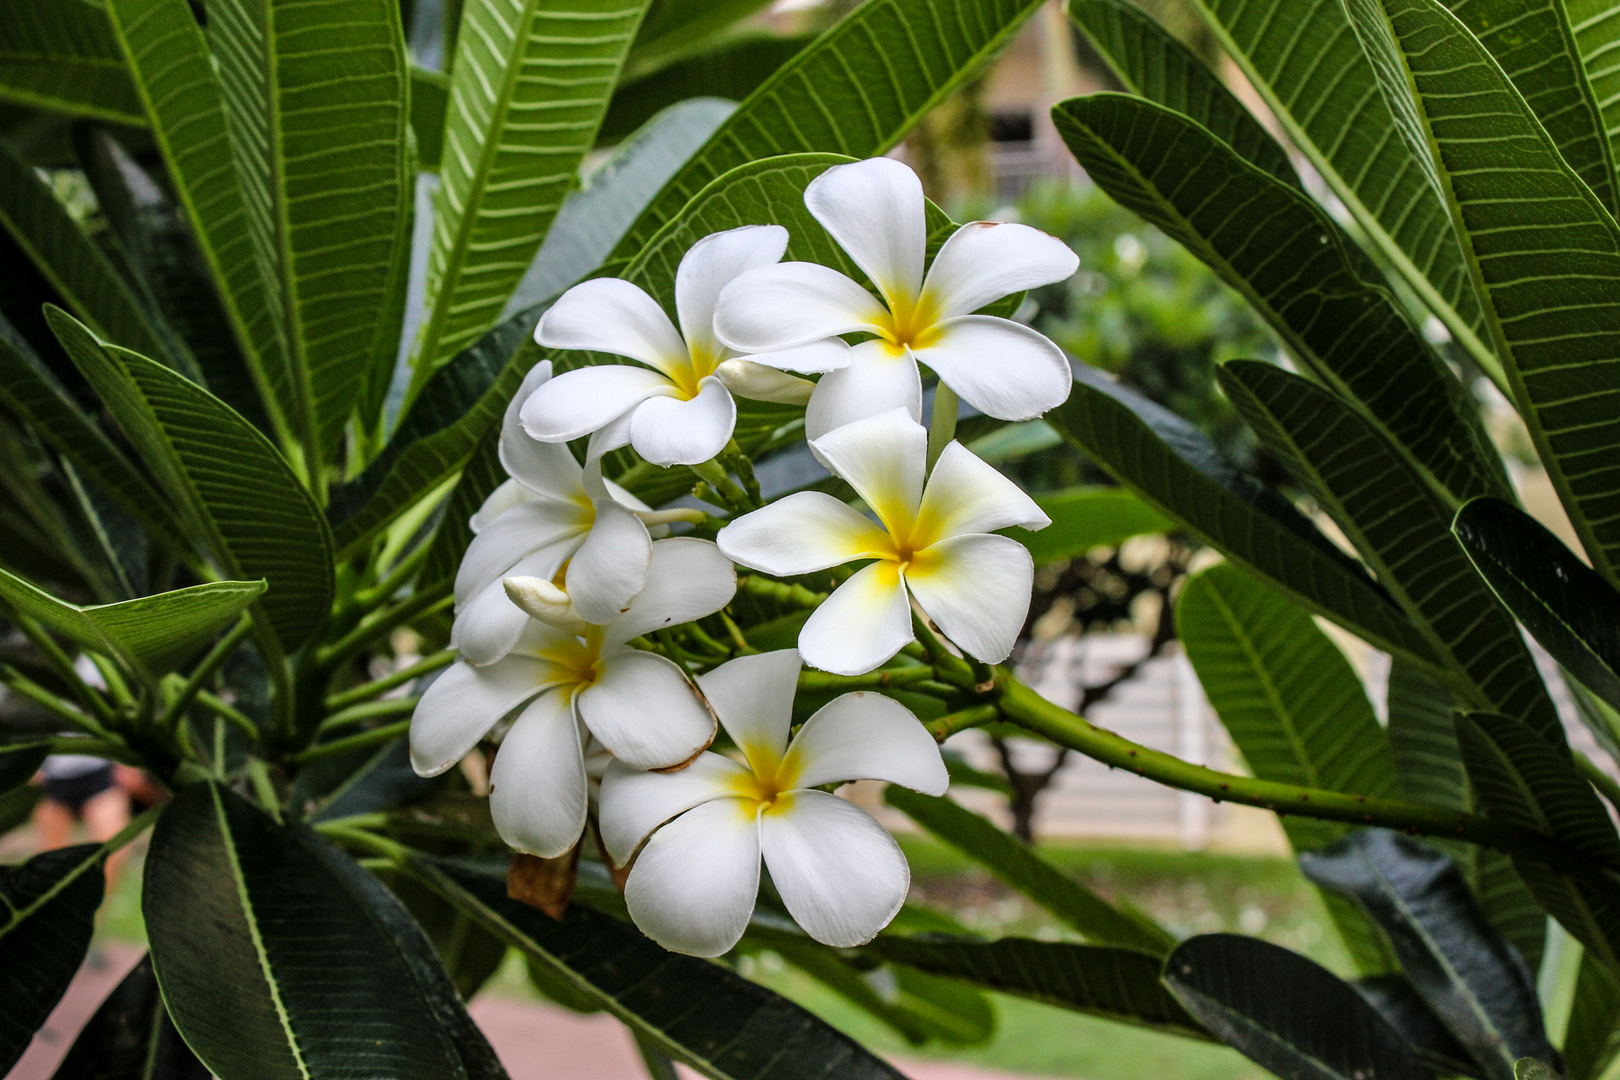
(761, 383)
(542, 600)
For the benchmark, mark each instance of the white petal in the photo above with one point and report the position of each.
(489, 626)
(610, 567)
(800, 534)
(709, 266)
(544, 642)
(634, 803)
(875, 381)
(865, 736)
(537, 377)
(875, 210)
(687, 578)
(864, 622)
(642, 708)
(883, 458)
(746, 379)
(829, 354)
(614, 434)
(984, 261)
(464, 703)
(694, 884)
(516, 534)
(669, 431)
(509, 494)
(579, 402)
(791, 304)
(976, 589)
(537, 785)
(613, 316)
(967, 495)
(1000, 367)
(753, 697)
(841, 876)
(548, 469)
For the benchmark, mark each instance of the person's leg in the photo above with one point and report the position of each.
(104, 816)
(53, 824)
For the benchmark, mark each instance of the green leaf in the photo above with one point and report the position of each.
(62, 251)
(1303, 60)
(1407, 1013)
(1285, 255)
(1472, 979)
(157, 246)
(1150, 63)
(529, 86)
(47, 913)
(1536, 46)
(1567, 607)
(34, 395)
(20, 758)
(1401, 527)
(460, 405)
(1088, 517)
(1596, 26)
(1598, 717)
(322, 159)
(361, 782)
(699, 1013)
(856, 91)
(130, 1037)
(168, 59)
(235, 491)
(1319, 1028)
(482, 475)
(1177, 470)
(597, 215)
(279, 957)
(1424, 739)
(1594, 1020)
(63, 57)
(731, 70)
(678, 28)
(1548, 267)
(430, 100)
(1114, 983)
(1021, 868)
(1295, 709)
(154, 633)
(1522, 780)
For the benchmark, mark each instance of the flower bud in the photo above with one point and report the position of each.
(542, 600)
(750, 380)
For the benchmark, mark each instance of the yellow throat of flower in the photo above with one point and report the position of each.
(910, 323)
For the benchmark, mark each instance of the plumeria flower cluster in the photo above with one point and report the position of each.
(565, 595)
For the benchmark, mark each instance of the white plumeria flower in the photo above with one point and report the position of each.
(875, 210)
(934, 540)
(552, 513)
(842, 877)
(563, 678)
(678, 410)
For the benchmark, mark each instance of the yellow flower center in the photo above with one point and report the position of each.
(910, 323)
(688, 373)
(581, 661)
(767, 785)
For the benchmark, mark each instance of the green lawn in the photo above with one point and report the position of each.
(1190, 893)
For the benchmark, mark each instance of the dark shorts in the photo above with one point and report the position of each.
(74, 791)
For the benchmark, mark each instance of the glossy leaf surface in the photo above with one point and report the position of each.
(1088, 517)
(64, 57)
(130, 1037)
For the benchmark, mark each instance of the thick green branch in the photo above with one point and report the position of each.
(1029, 710)
(362, 741)
(367, 691)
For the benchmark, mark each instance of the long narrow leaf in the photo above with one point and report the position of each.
(318, 101)
(64, 57)
(130, 1037)
(1403, 529)
(1548, 266)
(1596, 26)
(529, 87)
(1297, 268)
(235, 490)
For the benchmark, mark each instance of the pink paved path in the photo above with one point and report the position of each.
(535, 1042)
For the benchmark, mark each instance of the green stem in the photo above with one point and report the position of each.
(941, 421)
(374, 737)
(823, 681)
(204, 671)
(1598, 779)
(62, 664)
(367, 691)
(738, 638)
(370, 710)
(28, 688)
(1029, 710)
(949, 725)
(947, 665)
(356, 641)
(259, 775)
(360, 838)
(714, 474)
(397, 577)
(230, 714)
(780, 591)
